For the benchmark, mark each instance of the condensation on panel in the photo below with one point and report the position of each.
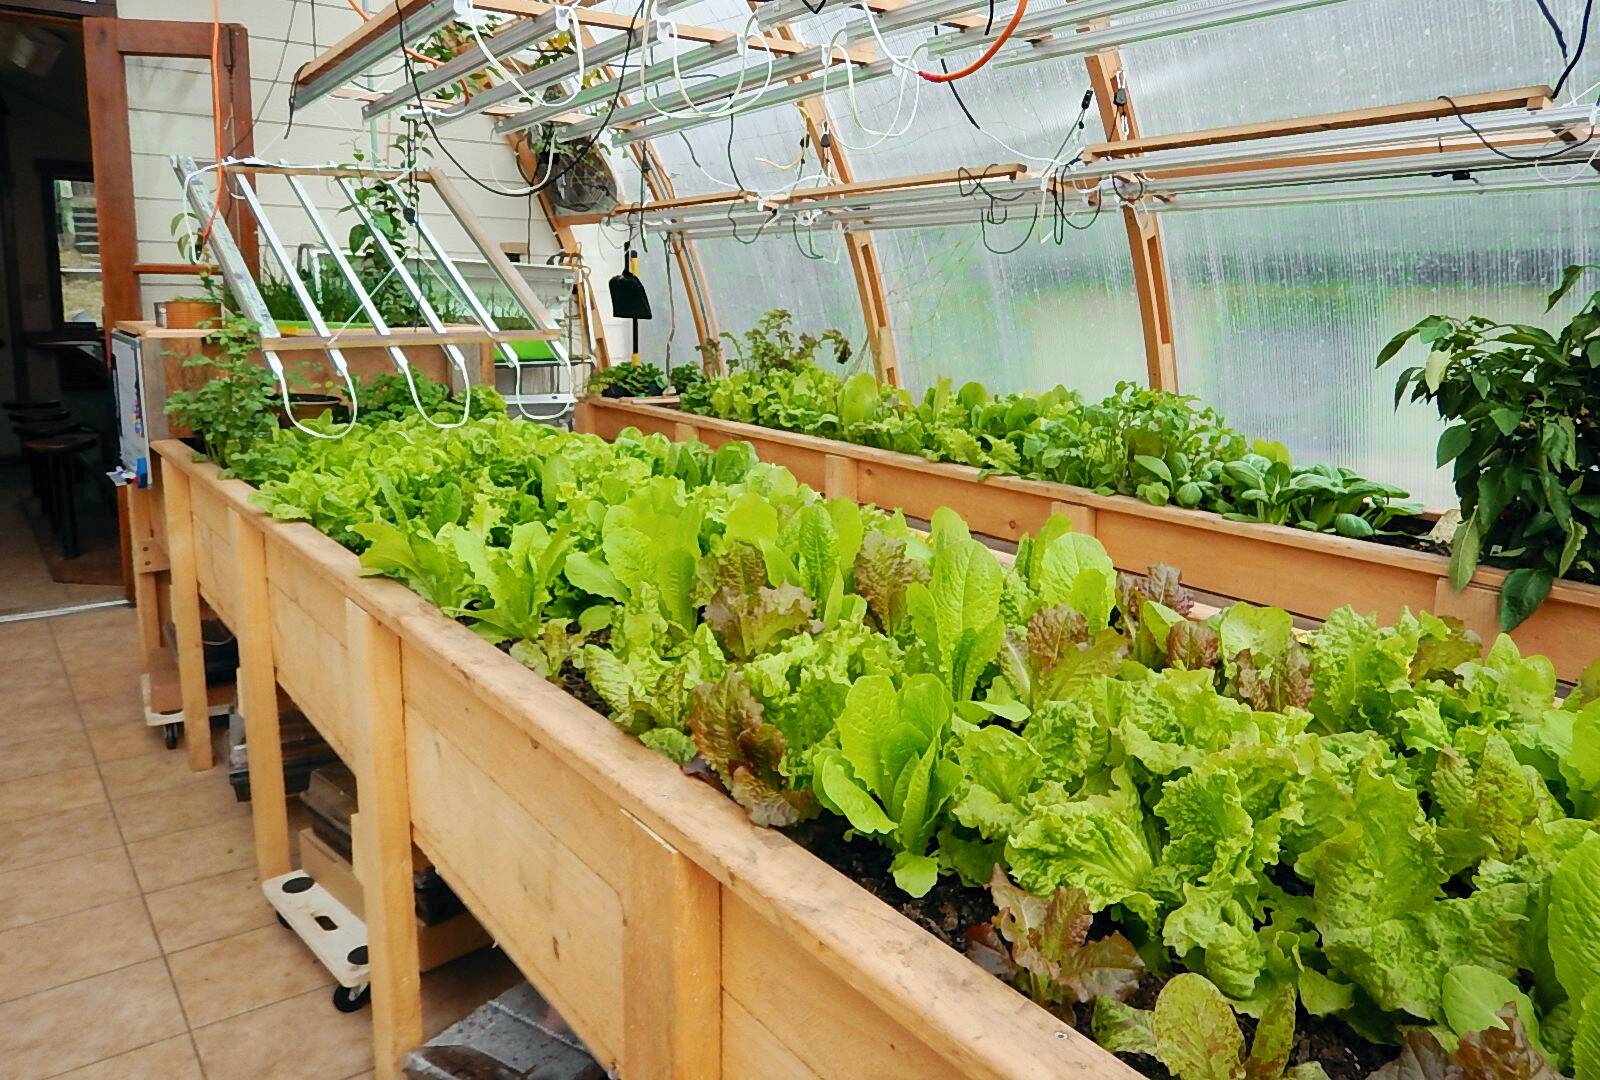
(1281, 311)
(1042, 315)
(1356, 54)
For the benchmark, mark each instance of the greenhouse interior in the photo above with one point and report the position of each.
(778, 539)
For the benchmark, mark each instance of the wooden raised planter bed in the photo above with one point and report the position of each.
(677, 938)
(1308, 573)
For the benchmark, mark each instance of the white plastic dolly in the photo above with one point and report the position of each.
(171, 722)
(332, 931)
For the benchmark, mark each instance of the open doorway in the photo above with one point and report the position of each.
(58, 521)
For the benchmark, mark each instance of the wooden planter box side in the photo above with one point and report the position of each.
(677, 938)
(1308, 573)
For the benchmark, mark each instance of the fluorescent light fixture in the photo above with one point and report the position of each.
(750, 79)
(1516, 180)
(688, 60)
(517, 36)
(1520, 121)
(534, 82)
(774, 96)
(404, 31)
(1038, 22)
(1113, 37)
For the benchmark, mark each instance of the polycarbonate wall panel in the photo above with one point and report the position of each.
(1025, 321)
(747, 280)
(1355, 54)
(1281, 312)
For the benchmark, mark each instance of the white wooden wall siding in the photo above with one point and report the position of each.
(170, 112)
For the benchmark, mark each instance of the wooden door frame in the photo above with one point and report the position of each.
(107, 43)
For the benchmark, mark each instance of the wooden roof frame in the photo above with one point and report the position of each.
(1122, 141)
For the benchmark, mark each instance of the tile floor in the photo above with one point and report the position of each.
(134, 941)
(27, 584)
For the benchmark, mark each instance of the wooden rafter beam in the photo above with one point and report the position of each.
(1147, 253)
(1526, 97)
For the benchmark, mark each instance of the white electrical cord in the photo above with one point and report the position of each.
(667, 31)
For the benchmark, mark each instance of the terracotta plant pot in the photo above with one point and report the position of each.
(190, 314)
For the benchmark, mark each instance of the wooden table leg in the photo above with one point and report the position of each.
(258, 701)
(383, 839)
(141, 540)
(186, 619)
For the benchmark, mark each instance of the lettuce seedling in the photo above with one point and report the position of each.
(1192, 1031)
(746, 752)
(1041, 945)
(891, 775)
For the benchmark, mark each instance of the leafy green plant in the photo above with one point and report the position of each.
(772, 345)
(1379, 826)
(1154, 445)
(1524, 440)
(1042, 944)
(1192, 1031)
(892, 775)
(628, 380)
(236, 406)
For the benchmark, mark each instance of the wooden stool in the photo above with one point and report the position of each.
(39, 424)
(58, 456)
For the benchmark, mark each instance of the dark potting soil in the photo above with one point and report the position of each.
(945, 912)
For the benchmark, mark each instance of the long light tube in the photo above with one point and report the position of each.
(533, 82)
(517, 36)
(404, 32)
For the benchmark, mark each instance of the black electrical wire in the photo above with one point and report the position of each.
(553, 174)
(1577, 53)
(733, 169)
(277, 75)
(1535, 159)
(988, 219)
(1555, 27)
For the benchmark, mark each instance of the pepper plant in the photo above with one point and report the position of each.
(1524, 439)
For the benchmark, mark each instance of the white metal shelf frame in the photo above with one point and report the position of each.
(241, 282)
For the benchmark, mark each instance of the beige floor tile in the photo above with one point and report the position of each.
(30, 689)
(46, 954)
(65, 886)
(368, 1075)
(56, 836)
(50, 793)
(180, 857)
(121, 741)
(206, 910)
(90, 622)
(88, 1021)
(88, 683)
(111, 709)
(58, 718)
(244, 972)
(51, 753)
(452, 991)
(169, 1059)
(303, 1038)
(150, 772)
(183, 807)
(28, 642)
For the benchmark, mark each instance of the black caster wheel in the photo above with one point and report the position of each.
(282, 921)
(169, 735)
(349, 1001)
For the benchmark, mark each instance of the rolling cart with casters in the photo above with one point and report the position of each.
(332, 931)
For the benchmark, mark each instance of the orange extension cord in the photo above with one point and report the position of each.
(988, 54)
